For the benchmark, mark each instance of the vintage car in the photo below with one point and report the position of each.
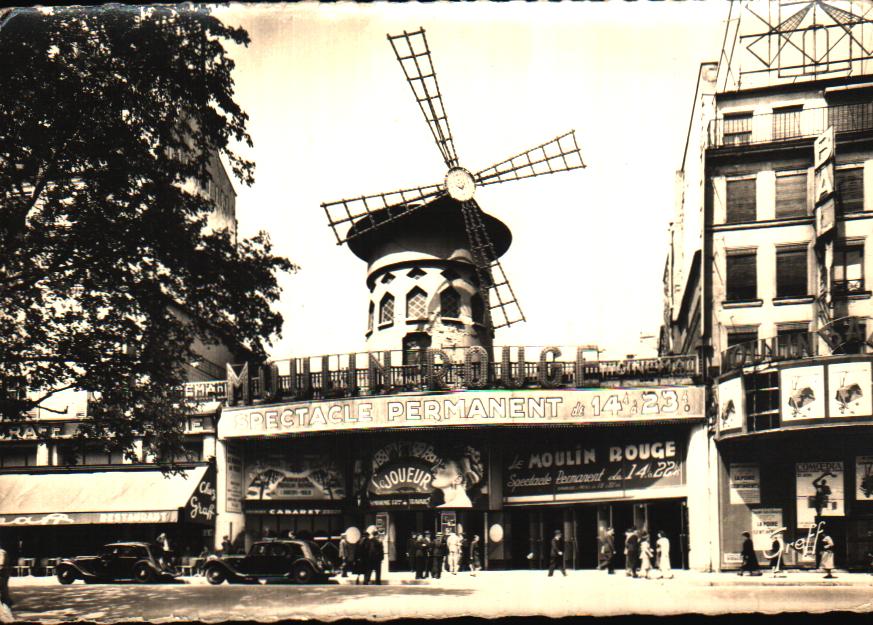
(293, 560)
(118, 561)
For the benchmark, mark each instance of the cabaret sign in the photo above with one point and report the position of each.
(534, 407)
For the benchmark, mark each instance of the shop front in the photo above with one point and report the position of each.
(806, 470)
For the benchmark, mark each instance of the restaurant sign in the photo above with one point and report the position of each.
(585, 470)
(526, 407)
(88, 518)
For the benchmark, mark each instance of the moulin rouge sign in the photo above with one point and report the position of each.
(533, 407)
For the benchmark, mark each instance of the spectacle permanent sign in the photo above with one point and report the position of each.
(535, 407)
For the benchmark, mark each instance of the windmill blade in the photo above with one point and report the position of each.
(560, 154)
(413, 54)
(361, 212)
(494, 288)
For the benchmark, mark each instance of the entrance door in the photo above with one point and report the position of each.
(407, 523)
(587, 536)
(669, 517)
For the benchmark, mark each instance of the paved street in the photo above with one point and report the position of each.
(490, 594)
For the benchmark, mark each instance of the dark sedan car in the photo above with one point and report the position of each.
(118, 561)
(294, 560)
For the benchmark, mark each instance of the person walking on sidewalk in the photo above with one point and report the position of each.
(373, 555)
(4, 578)
(410, 551)
(476, 555)
(420, 556)
(646, 555)
(556, 554)
(345, 555)
(632, 552)
(750, 559)
(453, 543)
(438, 556)
(607, 551)
(827, 555)
(662, 547)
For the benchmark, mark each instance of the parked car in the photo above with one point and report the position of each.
(118, 561)
(294, 560)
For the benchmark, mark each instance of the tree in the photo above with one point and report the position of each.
(109, 121)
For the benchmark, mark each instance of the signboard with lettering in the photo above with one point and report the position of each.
(588, 470)
(819, 491)
(850, 386)
(802, 392)
(745, 483)
(292, 476)
(86, 518)
(731, 405)
(420, 474)
(517, 407)
(201, 504)
(234, 479)
(765, 521)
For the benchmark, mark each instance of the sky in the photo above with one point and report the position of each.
(332, 117)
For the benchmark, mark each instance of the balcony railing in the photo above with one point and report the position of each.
(787, 125)
(389, 372)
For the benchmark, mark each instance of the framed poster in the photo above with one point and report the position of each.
(849, 390)
(765, 521)
(731, 407)
(820, 491)
(802, 391)
(295, 476)
(234, 480)
(864, 478)
(744, 483)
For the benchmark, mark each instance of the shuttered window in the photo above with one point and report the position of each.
(742, 281)
(786, 122)
(740, 201)
(850, 189)
(737, 128)
(791, 273)
(848, 271)
(791, 195)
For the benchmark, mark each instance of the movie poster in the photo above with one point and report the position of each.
(802, 393)
(849, 390)
(730, 405)
(864, 478)
(744, 483)
(294, 476)
(820, 491)
(419, 474)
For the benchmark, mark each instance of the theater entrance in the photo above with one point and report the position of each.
(406, 523)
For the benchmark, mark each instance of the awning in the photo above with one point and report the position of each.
(126, 496)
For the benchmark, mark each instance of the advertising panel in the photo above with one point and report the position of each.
(819, 491)
(731, 405)
(802, 393)
(234, 480)
(294, 476)
(419, 474)
(765, 521)
(516, 407)
(200, 507)
(864, 478)
(745, 483)
(849, 390)
(567, 471)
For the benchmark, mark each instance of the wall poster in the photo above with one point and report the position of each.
(234, 479)
(765, 521)
(744, 483)
(802, 390)
(820, 491)
(731, 405)
(864, 478)
(849, 390)
(293, 476)
(419, 474)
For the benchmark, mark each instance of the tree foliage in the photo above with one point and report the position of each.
(111, 121)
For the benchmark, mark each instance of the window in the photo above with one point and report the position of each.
(786, 122)
(370, 317)
(740, 337)
(477, 309)
(386, 310)
(742, 281)
(762, 401)
(794, 341)
(416, 304)
(18, 456)
(849, 189)
(791, 273)
(737, 128)
(855, 341)
(791, 195)
(849, 269)
(855, 116)
(450, 303)
(740, 201)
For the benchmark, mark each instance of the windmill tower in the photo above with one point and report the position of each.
(433, 255)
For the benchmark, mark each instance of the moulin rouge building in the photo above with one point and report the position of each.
(435, 426)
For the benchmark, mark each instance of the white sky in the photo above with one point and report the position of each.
(331, 116)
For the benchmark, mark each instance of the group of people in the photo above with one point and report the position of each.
(642, 557)
(429, 555)
(362, 558)
(824, 555)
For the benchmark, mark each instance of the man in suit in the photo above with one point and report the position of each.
(373, 554)
(438, 555)
(556, 554)
(607, 551)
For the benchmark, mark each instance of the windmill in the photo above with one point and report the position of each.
(357, 217)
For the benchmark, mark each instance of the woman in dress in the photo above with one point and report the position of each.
(663, 551)
(827, 555)
(646, 555)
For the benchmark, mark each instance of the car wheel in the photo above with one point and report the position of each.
(67, 575)
(143, 573)
(215, 575)
(302, 573)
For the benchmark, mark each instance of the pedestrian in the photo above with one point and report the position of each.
(345, 555)
(476, 555)
(166, 551)
(750, 559)
(827, 555)
(420, 556)
(646, 555)
(428, 551)
(463, 564)
(556, 554)
(226, 546)
(607, 551)
(632, 552)
(453, 543)
(410, 551)
(4, 578)
(662, 547)
(373, 554)
(438, 556)
(291, 535)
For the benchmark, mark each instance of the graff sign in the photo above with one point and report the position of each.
(574, 470)
(534, 407)
(201, 505)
